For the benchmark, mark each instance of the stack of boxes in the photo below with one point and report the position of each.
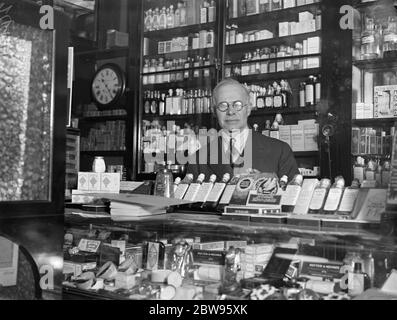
(107, 136)
(301, 137)
(306, 24)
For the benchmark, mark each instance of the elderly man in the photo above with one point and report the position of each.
(240, 148)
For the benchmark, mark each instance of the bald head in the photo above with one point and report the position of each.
(231, 91)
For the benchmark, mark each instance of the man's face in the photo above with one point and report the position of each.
(232, 119)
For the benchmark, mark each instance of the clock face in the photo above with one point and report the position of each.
(108, 85)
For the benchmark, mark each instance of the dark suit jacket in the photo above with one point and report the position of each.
(268, 155)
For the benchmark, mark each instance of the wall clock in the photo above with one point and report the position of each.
(108, 84)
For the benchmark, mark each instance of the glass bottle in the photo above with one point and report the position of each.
(187, 66)
(358, 169)
(152, 70)
(317, 89)
(269, 97)
(390, 38)
(145, 70)
(278, 97)
(302, 95)
(369, 43)
(160, 69)
(154, 104)
(163, 19)
(164, 184)
(310, 92)
(245, 67)
(156, 18)
(265, 53)
(386, 170)
(292, 192)
(286, 92)
(349, 198)
(212, 11)
(334, 196)
(204, 191)
(146, 105)
(183, 14)
(204, 11)
(370, 171)
(194, 188)
(216, 192)
(177, 17)
(319, 196)
(149, 20)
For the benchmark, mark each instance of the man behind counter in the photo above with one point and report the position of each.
(241, 147)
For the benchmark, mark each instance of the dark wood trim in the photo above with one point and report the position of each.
(27, 13)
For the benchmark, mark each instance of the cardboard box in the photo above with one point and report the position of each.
(359, 108)
(312, 62)
(217, 245)
(368, 111)
(252, 7)
(311, 132)
(285, 134)
(297, 138)
(110, 182)
(126, 281)
(289, 4)
(313, 45)
(385, 101)
(305, 16)
(283, 29)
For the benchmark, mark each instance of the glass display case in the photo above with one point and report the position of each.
(188, 46)
(374, 90)
(179, 68)
(185, 257)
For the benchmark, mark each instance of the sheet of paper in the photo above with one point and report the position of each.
(140, 199)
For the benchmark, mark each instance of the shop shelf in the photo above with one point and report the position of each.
(182, 54)
(202, 116)
(375, 122)
(266, 18)
(179, 70)
(103, 118)
(287, 40)
(115, 153)
(178, 31)
(376, 64)
(284, 111)
(195, 83)
(102, 54)
(296, 74)
(274, 59)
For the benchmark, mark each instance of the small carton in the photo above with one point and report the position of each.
(283, 29)
(297, 138)
(94, 181)
(110, 182)
(305, 15)
(285, 134)
(313, 45)
(82, 181)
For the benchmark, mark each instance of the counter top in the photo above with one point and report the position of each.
(214, 226)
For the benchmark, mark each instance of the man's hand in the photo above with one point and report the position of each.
(252, 171)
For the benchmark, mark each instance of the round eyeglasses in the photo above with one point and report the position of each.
(225, 106)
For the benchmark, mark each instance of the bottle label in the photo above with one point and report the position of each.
(192, 192)
(355, 283)
(203, 192)
(291, 195)
(227, 195)
(269, 102)
(309, 93)
(348, 200)
(181, 190)
(216, 192)
(333, 199)
(318, 199)
(278, 101)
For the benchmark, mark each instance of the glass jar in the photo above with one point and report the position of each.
(370, 40)
(99, 166)
(164, 184)
(390, 38)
